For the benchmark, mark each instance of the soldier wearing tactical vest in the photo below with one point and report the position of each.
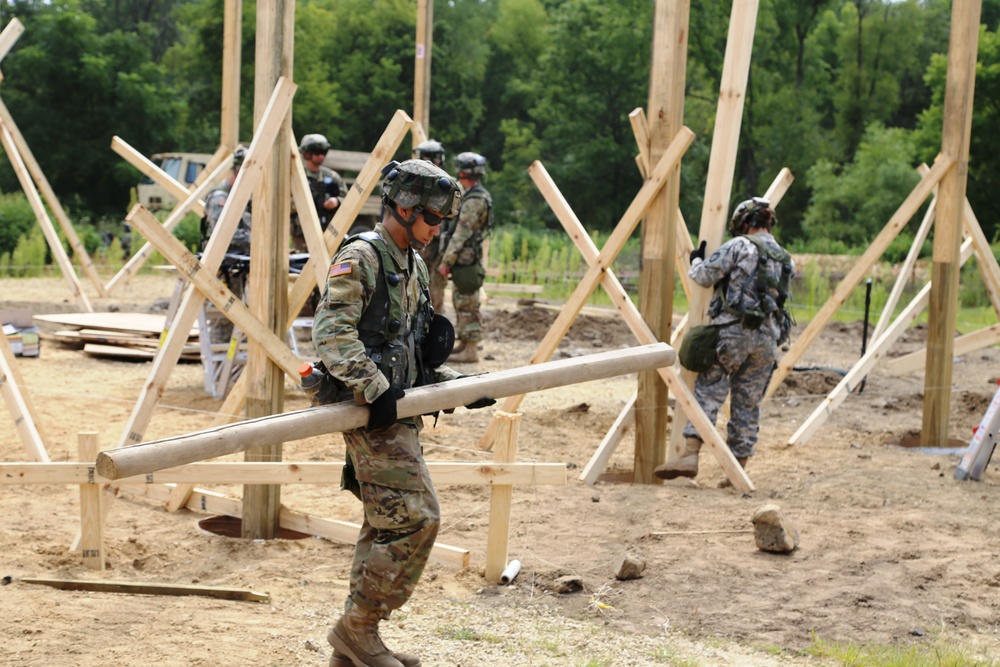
(463, 255)
(326, 186)
(371, 331)
(433, 151)
(750, 273)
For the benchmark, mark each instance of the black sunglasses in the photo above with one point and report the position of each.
(432, 219)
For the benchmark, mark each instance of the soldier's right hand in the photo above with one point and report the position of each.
(382, 411)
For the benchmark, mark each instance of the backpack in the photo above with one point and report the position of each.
(767, 305)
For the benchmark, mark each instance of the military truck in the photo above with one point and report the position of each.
(182, 167)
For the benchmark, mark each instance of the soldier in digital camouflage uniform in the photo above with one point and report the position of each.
(750, 329)
(235, 267)
(326, 186)
(463, 255)
(368, 331)
(433, 151)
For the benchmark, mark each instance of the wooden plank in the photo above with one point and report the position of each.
(19, 404)
(180, 210)
(174, 187)
(308, 217)
(232, 51)
(280, 472)
(963, 345)
(149, 588)
(878, 245)
(262, 431)
(79, 249)
(331, 529)
(216, 291)
(141, 323)
(189, 353)
(91, 517)
(41, 215)
(498, 535)
(9, 36)
(857, 374)
(599, 461)
(422, 71)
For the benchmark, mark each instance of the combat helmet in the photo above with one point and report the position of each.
(314, 143)
(755, 212)
(419, 185)
(239, 155)
(470, 164)
(430, 150)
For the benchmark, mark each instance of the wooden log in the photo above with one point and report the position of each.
(156, 455)
(148, 588)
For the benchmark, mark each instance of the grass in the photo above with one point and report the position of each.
(939, 653)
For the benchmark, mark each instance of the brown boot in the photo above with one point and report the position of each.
(724, 483)
(338, 659)
(468, 353)
(356, 637)
(685, 466)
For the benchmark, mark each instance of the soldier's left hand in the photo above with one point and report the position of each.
(444, 270)
(483, 402)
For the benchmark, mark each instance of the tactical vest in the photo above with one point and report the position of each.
(766, 304)
(390, 337)
(475, 241)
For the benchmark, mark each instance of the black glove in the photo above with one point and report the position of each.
(698, 252)
(483, 402)
(382, 411)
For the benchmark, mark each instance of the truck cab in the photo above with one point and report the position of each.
(182, 167)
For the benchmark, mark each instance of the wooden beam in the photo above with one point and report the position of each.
(11, 32)
(212, 288)
(232, 50)
(156, 455)
(878, 245)
(91, 517)
(139, 258)
(150, 170)
(599, 461)
(308, 217)
(963, 345)
(498, 536)
(331, 529)
(148, 588)
(422, 71)
(55, 243)
(19, 404)
(279, 472)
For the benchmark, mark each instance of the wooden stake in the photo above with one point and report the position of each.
(91, 517)
(498, 538)
(135, 588)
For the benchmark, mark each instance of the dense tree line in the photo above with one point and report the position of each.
(846, 93)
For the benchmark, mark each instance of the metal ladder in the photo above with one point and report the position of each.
(984, 440)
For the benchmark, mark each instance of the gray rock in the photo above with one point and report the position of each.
(772, 530)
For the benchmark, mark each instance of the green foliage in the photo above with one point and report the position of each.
(188, 230)
(853, 204)
(17, 218)
(28, 258)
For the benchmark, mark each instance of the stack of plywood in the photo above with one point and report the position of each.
(133, 336)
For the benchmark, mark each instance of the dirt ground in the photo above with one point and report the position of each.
(893, 549)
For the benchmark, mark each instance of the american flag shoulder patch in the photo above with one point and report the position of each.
(341, 269)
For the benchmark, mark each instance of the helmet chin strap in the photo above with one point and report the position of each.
(408, 226)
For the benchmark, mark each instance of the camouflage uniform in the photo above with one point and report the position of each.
(746, 356)
(323, 184)
(465, 248)
(233, 273)
(431, 255)
(402, 514)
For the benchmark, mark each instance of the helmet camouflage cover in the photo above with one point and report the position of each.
(239, 155)
(755, 212)
(430, 150)
(470, 163)
(419, 183)
(314, 142)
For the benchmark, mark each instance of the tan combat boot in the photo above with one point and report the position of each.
(724, 483)
(685, 466)
(467, 353)
(339, 659)
(356, 637)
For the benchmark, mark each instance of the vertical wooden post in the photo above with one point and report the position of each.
(232, 49)
(268, 284)
(422, 72)
(656, 280)
(955, 134)
(721, 167)
(504, 451)
(91, 516)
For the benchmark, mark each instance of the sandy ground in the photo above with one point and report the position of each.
(893, 550)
